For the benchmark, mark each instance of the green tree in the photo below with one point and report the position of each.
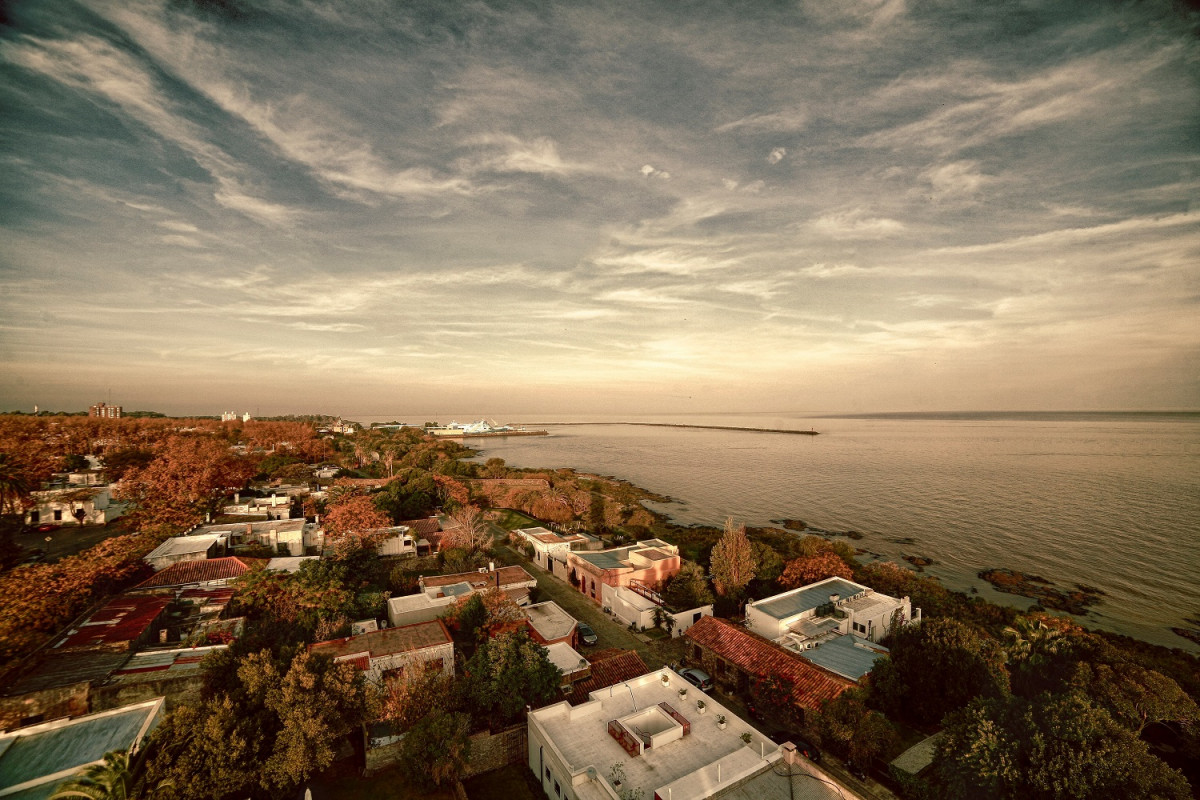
(937, 666)
(770, 565)
(506, 674)
(437, 748)
(108, 780)
(1053, 746)
(687, 588)
(732, 561)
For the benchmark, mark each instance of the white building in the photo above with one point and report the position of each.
(283, 536)
(91, 505)
(388, 652)
(177, 549)
(826, 609)
(666, 745)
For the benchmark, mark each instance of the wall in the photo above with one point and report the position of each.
(62, 701)
(686, 619)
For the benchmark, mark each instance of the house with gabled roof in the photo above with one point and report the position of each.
(212, 572)
(390, 651)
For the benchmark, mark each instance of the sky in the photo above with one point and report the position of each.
(378, 207)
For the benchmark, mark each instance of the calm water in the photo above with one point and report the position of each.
(1111, 501)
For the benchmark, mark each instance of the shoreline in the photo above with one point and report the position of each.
(696, 427)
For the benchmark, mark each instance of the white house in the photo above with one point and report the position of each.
(196, 547)
(87, 505)
(666, 745)
(823, 610)
(283, 536)
(388, 652)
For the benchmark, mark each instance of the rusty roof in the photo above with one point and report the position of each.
(185, 572)
(759, 657)
(423, 527)
(387, 641)
(122, 619)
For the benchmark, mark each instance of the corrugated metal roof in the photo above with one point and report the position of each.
(122, 619)
(759, 657)
(808, 597)
(388, 641)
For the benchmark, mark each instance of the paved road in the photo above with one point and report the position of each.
(68, 540)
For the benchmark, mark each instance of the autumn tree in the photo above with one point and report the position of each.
(937, 666)
(810, 569)
(732, 561)
(354, 525)
(482, 615)
(14, 485)
(414, 695)
(1050, 746)
(189, 478)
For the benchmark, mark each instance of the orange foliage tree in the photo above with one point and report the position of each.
(189, 478)
(354, 524)
(810, 569)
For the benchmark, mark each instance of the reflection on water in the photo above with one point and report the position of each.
(1111, 501)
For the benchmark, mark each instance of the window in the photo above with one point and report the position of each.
(35, 517)
(557, 790)
(547, 773)
(696, 653)
(57, 514)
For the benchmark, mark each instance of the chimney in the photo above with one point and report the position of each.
(237, 497)
(274, 499)
(491, 566)
(833, 598)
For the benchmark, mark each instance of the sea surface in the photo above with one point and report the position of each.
(1107, 500)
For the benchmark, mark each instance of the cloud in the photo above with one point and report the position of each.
(792, 120)
(181, 227)
(855, 223)
(776, 155)
(833, 271)
(955, 181)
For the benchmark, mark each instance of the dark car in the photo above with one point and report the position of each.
(34, 556)
(698, 678)
(586, 634)
(804, 748)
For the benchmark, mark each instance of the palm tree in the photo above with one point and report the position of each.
(13, 486)
(108, 780)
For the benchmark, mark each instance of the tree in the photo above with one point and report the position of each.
(354, 525)
(14, 487)
(852, 730)
(770, 565)
(74, 462)
(437, 748)
(414, 695)
(108, 780)
(937, 666)
(805, 570)
(189, 477)
(686, 589)
(506, 674)
(1051, 746)
(732, 561)
(470, 533)
(1135, 696)
(268, 727)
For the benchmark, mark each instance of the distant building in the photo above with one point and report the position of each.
(233, 416)
(106, 411)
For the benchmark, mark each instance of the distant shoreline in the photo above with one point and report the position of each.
(684, 425)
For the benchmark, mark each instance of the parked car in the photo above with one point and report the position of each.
(47, 527)
(698, 678)
(804, 748)
(586, 634)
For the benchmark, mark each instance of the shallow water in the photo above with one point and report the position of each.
(1107, 500)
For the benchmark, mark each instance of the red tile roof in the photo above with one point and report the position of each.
(185, 572)
(123, 619)
(761, 657)
(609, 667)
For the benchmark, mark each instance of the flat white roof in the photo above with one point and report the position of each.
(688, 766)
(185, 545)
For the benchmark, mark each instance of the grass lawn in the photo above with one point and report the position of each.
(514, 782)
(511, 520)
